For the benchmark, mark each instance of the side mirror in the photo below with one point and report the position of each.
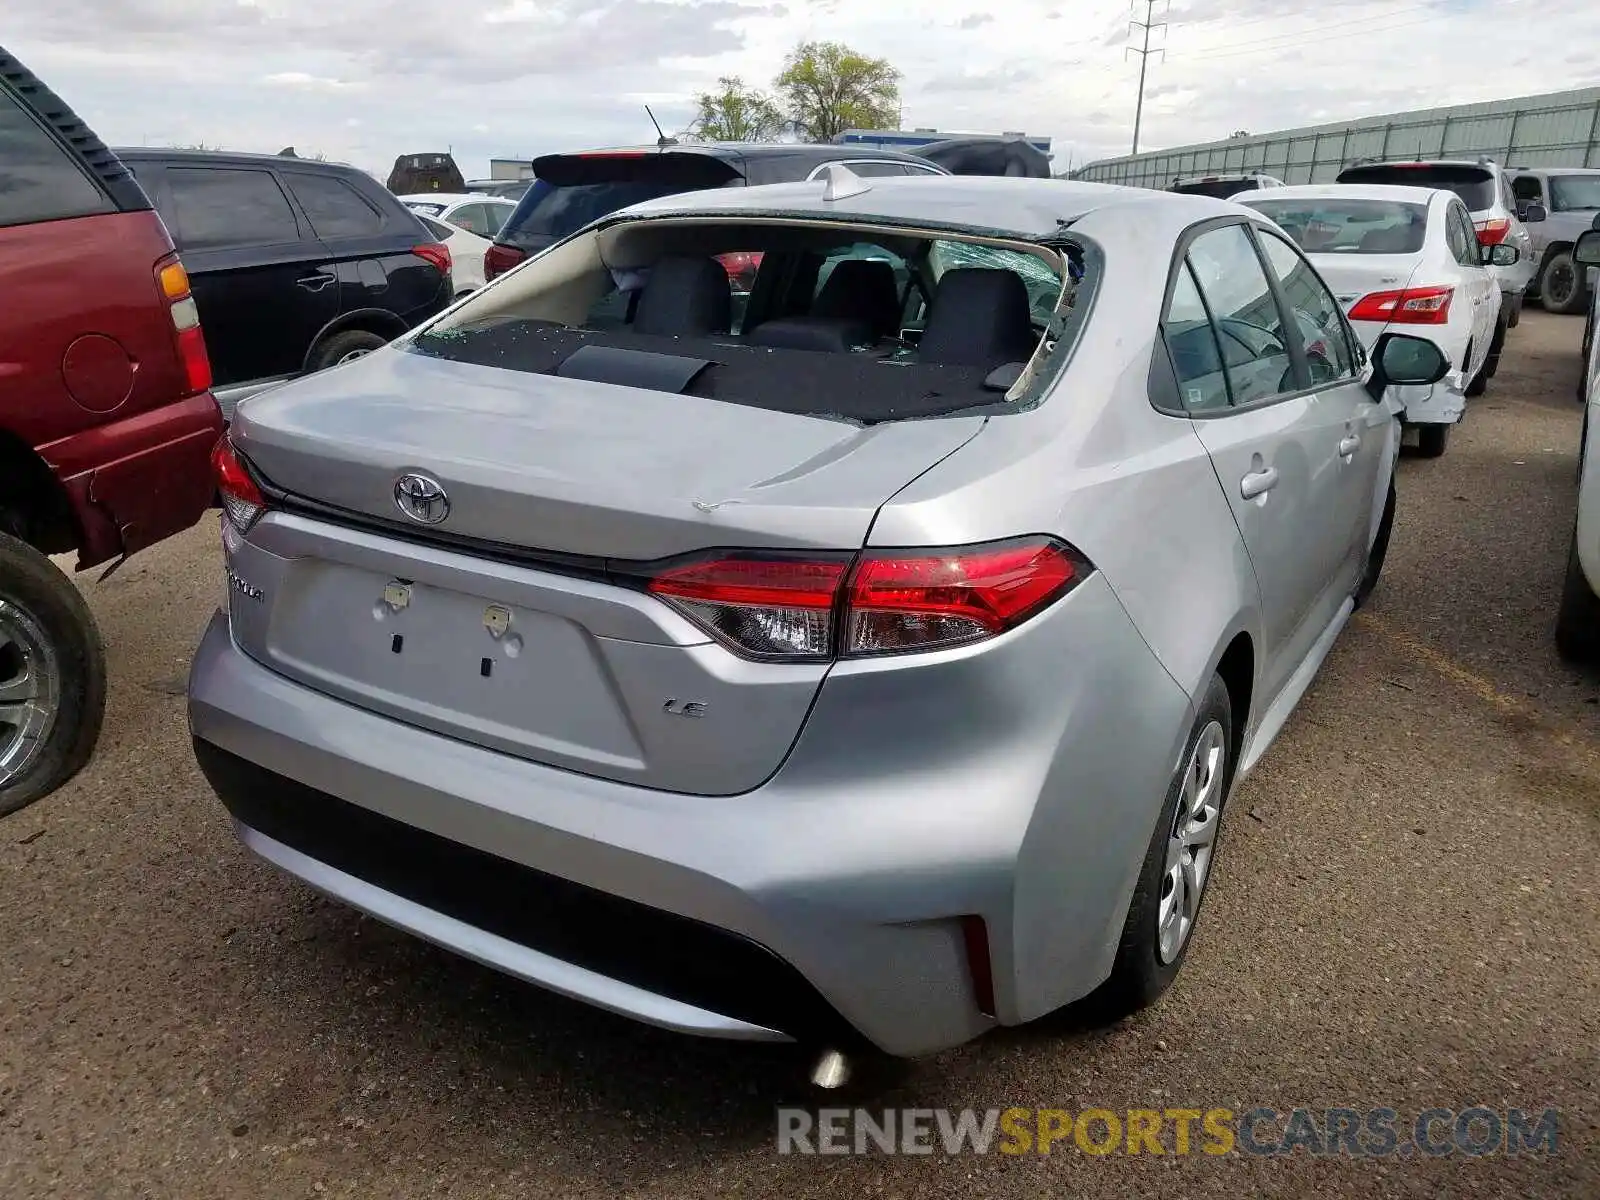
(1534, 212)
(1587, 251)
(1404, 360)
(1501, 255)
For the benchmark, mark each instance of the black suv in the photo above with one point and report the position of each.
(295, 264)
(571, 190)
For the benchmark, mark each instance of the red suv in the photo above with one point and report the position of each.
(106, 417)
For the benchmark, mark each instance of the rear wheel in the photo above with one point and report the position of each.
(1492, 363)
(1432, 439)
(1177, 866)
(345, 347)
(1561, 283)
(1479, 383)
(52, 677)
(1578, 618)
(1380, 549)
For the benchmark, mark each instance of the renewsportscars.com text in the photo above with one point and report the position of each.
(1359, 1133)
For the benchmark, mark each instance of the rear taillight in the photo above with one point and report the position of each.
(1492, 232)
(436, 253)
(173, 281)
(1411, 306)
(799, 608)
(242, 500)
(498, 259)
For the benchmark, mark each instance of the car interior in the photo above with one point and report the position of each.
(867, 324)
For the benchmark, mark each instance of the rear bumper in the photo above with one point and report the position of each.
(1442, 403)
(135, 481)
(823, 906)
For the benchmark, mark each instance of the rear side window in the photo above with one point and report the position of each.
(229, 206)
(1338, 226)
(1249, 325)
(1475, 185)
(39, 179)
(334, 208)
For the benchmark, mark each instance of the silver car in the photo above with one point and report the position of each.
(874, 674)
(1568, 198)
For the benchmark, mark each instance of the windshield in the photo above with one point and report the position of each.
(1220, 189)
(1574, 193)
(1475, 185)
(1330, 226)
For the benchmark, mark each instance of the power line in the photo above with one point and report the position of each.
(1305, 37)
(1149, 24)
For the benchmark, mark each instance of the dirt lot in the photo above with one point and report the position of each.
(1407, 914)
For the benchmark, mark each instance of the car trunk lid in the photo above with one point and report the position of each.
(1353, 276)
(517, 622)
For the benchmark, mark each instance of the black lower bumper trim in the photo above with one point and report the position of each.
(661, 952)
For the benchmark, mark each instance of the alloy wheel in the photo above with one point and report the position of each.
(1191, 841)
(351, 356)
(30, 691)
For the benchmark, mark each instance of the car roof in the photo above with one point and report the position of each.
(232, 158)
(452, 198)
(1008, 207)
(1361, 191)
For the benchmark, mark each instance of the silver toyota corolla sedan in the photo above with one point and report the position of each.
(863, 656)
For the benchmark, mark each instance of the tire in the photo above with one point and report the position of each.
(352, 343)
(1578, 618)
(1492, 364)
(1562, 284)
(43, 617)
(1380, 548)
(1432, 439)
(1479, 383)
(1515, 304)
(1145, 965)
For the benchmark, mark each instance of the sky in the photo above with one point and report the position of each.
(365, 80)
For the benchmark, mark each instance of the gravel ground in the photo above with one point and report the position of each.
(1406, 914)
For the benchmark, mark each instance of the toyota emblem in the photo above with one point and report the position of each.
(421, 498)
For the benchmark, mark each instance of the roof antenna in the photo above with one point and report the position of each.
(662, 140)
(840, 182)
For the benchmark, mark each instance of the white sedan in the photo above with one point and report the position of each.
(1578, 619)
(466, 254)
(1406, 259)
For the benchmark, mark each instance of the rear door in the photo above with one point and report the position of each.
(258, 277)
(368, 244)
(1478, 283)
(1275, 442)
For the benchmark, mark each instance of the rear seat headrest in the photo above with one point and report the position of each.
(979, 317)
(862, 289)
(685, 296)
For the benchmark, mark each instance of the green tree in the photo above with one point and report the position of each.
(828, 88)
(735, 113)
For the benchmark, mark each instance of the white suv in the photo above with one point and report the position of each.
(1487, 193)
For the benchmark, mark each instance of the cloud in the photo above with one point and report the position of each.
(524, 77)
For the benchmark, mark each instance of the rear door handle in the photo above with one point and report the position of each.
(1258, 483)
(315, 283)
(1349, 445)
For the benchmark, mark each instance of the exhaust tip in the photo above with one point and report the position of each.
(832, 1070)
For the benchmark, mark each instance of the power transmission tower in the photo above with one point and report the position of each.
(1149, 24)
